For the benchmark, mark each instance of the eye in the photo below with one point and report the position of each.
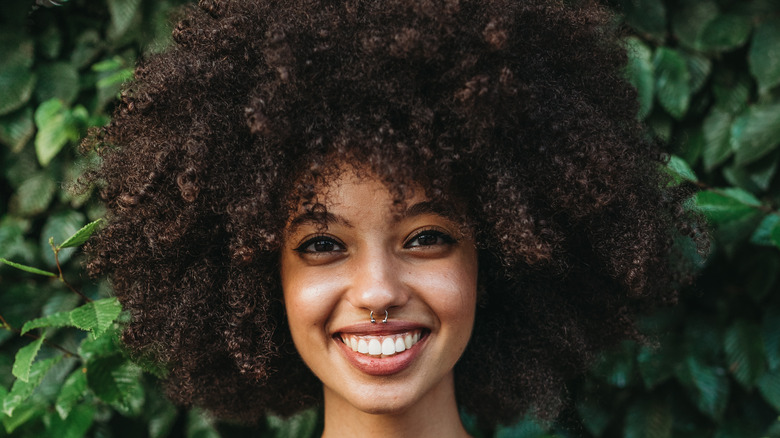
(320, 244)
(429, 237)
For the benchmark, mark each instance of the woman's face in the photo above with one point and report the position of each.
(415, 264)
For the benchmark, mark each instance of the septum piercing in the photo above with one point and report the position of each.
(373, 321)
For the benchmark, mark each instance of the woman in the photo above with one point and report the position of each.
(398, 208)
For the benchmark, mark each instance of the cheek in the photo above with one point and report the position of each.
(451, 290)
(308, 297)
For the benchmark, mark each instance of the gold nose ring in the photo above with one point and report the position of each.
(373, 321)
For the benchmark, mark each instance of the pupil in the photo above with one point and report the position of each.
(428, 239)
(323, 245)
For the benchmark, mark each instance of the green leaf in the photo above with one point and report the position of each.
(16, 87)
(58, 80)
(769, 387)
(763, 59)
(59, 226)
(689, 20)
(122, 14)
(755, 133)
(762, 235)
(96, 316)
(16, 49)
(646, 16)
(656, 365)
(680, 170)
(301, 425)
(81, 235)
(672, 81)
(117, 78)
(103, 345)
(53, 133)
(640, 74)
(770, 333)
(726, 205)
(72, 391)
(22, 390)
(33, 195)
(23, 414)
(17, 129)
(29, 269)
(200, 425)
(112, 378)
(59, 319)
(526, 428)
(648, 419)
(24, 359)
(76, 424)
(745, 352)
(162, 416)
(725, 32)
(87, 45)
(707, 386)
(699, 67)
(732, 90)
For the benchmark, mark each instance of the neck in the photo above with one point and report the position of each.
(435, 415)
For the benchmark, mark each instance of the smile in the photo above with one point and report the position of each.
(381, 346)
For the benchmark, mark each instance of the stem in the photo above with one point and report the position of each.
(61, 277)
(67, 352)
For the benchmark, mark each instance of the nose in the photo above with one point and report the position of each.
(376, 282)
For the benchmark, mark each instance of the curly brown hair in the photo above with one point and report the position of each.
(516, 111)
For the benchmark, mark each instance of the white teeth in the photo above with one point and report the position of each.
(383, 345)
(399, 345)
(388, 347)
(374, 347)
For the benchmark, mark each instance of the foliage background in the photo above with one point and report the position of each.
(708, 76)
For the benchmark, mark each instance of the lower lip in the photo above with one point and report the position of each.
(376, 366)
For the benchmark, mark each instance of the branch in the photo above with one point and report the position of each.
(10, 328)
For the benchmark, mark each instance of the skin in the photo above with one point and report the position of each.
(415, 263)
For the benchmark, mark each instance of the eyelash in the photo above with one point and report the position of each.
(445, 238)
(303, 247)
(442, 238)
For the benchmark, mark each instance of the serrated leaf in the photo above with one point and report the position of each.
(24, 359)
(672, 81)
(725, 32)
(96, 316)
(72, 391)
(699, 67)
(59, 226)
(22, 390)
(680, 170)
(648, 419)
(23, 414)
(81, 236)
(744, 352)
(17, 129)
(77, 423)
(755, 133)
(110, 377)
(16, 87)
(58, 80)
(29, 269)
(59, 319)
(769, 387)
(717, 134)
(763, 59)
(640, 74)
(726, 205)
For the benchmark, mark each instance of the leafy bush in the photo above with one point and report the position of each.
(708, 77)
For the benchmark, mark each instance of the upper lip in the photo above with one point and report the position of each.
(379, 328)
